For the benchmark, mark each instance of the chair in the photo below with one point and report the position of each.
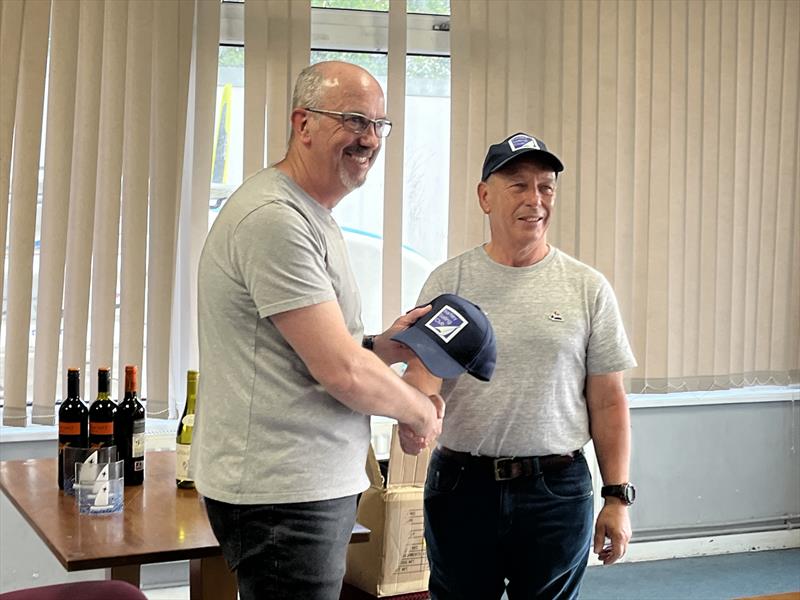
(79, 590)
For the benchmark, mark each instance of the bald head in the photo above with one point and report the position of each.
(317, 82)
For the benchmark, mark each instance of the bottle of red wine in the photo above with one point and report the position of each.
(129, 430)
(101, 413)
(73, 421)
(183, 438)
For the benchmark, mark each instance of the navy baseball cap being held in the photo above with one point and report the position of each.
(455, 337)
(515, 146)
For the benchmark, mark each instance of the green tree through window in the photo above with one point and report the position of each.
(426, 7)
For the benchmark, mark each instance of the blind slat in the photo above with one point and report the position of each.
(107, 206)
(170, 84)
(83, 181)
(392, 265)
(22, 218)
(10, 40)
(193, 223)
(135, 186)
(55, 206)
(255, 90)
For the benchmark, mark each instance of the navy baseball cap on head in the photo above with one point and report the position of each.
(513, 147)
(455, 337)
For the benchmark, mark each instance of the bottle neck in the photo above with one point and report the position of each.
(102, 384)
(73, 384)
(131, 383)
(191, 395)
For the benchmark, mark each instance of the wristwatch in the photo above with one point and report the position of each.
(368, 342)
(624, 491)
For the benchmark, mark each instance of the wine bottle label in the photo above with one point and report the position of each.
(182, 468)
(69, 428)
(101, 427)
(138, 465)
(137, 448)
(188, 420)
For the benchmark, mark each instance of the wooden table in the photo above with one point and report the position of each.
(159, 523)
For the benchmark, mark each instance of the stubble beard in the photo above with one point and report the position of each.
(350, 182)
(353, 182)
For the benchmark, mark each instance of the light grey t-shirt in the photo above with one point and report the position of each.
(266, 431)
(555, 322)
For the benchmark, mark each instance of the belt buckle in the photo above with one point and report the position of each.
(500, 471)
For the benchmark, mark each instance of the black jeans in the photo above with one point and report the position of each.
(535, 531)
(285, 551)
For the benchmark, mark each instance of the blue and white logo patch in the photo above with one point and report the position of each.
(518, 142)
(447, 323)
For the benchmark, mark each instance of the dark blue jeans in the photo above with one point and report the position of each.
(285, 551)
(534, 531)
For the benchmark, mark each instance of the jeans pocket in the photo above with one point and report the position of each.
(443, 475)
(573, 482)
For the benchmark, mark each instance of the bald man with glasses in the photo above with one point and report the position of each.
(282, 426)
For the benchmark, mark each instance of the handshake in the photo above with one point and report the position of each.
(452, 337)
(414, 440)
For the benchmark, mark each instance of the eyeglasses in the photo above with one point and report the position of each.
(356, 122)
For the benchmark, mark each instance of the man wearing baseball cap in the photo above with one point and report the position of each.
(508, 496)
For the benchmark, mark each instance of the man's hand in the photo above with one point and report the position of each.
(414, 442)
(614, 524)
(390, 351)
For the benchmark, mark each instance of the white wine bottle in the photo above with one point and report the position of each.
(183, 441)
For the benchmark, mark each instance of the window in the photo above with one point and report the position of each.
(227, 157)
(356, 31)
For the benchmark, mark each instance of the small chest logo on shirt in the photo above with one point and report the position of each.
(555, 316)
(447, 323)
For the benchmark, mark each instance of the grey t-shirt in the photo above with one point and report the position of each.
(266, 431)
(555, 322)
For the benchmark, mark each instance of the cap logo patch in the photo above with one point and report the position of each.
(518, 142)
(446, 323)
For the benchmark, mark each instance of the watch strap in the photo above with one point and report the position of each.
(624, 491)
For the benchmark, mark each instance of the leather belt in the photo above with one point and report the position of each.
(505, 468)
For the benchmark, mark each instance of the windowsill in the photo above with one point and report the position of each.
(748, 395)
(160, 433)
(31, 433)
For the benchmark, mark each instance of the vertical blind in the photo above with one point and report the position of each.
(130, 89)
(277, 39)
(678, 125)
(677, 122)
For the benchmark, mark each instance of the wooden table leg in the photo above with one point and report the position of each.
(210, 579)
(129, 573)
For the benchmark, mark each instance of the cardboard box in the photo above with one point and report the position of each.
(394, 561)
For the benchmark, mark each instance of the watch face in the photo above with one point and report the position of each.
(625, 492)
(629, 493)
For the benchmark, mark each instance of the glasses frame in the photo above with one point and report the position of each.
(382, 127)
